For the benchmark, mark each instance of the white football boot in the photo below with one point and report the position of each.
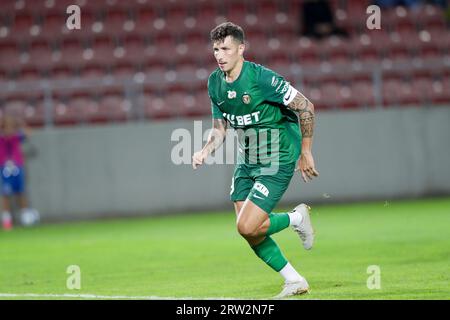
(293, 288)
(304, 229)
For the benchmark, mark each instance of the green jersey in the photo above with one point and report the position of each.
(255, 106)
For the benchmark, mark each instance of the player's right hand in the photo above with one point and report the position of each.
(198, 158)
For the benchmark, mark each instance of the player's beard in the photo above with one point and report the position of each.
(229, 67)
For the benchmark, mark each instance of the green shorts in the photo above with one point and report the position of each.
(264, 186)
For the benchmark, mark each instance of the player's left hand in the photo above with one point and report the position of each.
(306, 166)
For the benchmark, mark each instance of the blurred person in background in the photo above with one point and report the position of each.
(413, 4)
(12, 133)
(393, 3)
(317, 20)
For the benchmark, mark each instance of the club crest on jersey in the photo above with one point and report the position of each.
(231, 94)
(246, 98)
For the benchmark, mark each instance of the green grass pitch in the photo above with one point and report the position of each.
(202, 256)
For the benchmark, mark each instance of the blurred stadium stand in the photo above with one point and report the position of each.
(150, 59)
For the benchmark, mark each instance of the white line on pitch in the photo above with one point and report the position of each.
(96, 296)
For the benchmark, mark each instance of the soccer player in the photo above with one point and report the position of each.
(262, 107)
(12, 133)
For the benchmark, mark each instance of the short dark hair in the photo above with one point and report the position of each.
(225, 29)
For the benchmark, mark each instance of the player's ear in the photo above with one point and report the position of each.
(241, 48)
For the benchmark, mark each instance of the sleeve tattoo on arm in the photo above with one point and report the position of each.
(217, 134)
(305, 111)
(220, 124)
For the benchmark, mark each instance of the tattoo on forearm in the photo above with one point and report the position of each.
(299, 103)
(305, 111)
(220, 124)
(217, 135)
(307, 124)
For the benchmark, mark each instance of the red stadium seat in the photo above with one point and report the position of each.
(135, 50)
(335, 96)
(401, 19)
(436, 42)
(104, 52)
(65, 113)
(363, 93)
(54, 27)
(88, 109)
(15, 106)
(41, 56)
(3, 80)
(144, 22)
(315, 94)
(207, 17)
(370, 45)
(183, 104)
(161, 52)
(285, 69)
(338, 72)
(114, 108)
(248, 20)
(202, 103)
(190, 78)
(117, 24)
(72, 54)
(257, 48)
(433, 17)
(155, 107)
(175, 20)
(403, 44)
(77, 108)
(30, 73)
(156, 79)
(92, 71)
(24, 95)
(347, 98)
(334, 48)
(424, 88)
(99, 6)
(276, 48)
(306, 51)
(356, 16)
(20, 29)
(125, 69)
(277, 21)
(61, 73)
(9, 7)
(34, 115)
(9, 59)
(397, 92)
(440, 93)
(184, 54)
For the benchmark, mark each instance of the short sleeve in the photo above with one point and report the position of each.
(275, 88)
(216, 113)
(215, 110)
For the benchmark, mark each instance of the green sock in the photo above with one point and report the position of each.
(278, 222)
(269, 252)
